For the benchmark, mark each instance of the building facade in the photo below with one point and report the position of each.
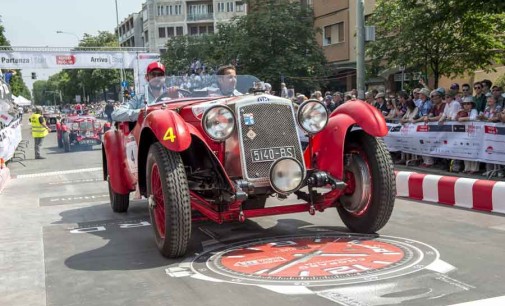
(160, 20)
(336, 20)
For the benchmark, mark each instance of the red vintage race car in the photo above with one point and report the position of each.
(79, 131)
(52, 121)
(205, 155)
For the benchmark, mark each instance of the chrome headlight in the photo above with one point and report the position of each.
(218, 122)
(286, 175)
(312, 116)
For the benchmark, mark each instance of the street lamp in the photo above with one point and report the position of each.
(70, 33)
(119, 45)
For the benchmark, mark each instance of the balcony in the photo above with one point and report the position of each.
(198, 17)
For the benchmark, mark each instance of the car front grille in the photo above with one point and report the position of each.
(274, 126)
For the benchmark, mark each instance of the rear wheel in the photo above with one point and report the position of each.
(66, 141)
(369, 198)
(118, 202)
(169, 202)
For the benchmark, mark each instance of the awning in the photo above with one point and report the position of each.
(22, 101)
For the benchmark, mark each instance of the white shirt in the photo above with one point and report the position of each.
(451, 110)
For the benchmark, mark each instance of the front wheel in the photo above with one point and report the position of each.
(368, 200)
(169, 202)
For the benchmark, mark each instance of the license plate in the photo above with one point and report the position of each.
(88, 142)
(271, 154)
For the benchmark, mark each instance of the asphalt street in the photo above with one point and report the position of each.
(61, 244)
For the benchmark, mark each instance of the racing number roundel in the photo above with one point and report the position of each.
(316, 260)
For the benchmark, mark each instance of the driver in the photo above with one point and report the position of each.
(226, 82)
(155, 76)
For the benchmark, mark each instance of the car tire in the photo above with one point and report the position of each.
(368, 200)
(118, 202)
(169, 201)
(65, 138)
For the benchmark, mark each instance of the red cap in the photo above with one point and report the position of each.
(155, 65)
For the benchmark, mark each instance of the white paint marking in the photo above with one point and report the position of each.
(402, 183)
(430, 188)
(498, 197)
(382, 262)
(499, 300)
(289, 289)
(58, 172)
(440, 266)
(304, 273)
(235, 256)
(463, 193)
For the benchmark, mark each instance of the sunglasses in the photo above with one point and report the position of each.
(466, 89)
(156, 74)
(477, 87)
(434, 96)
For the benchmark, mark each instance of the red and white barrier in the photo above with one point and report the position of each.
(476, 194)
(4, 177)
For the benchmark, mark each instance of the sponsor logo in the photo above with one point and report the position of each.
(248, 119)
(263, 99)
(65, 59)
(489, 150)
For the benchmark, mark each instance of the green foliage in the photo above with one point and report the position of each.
(18, 86)
(500, 81)
(276, 39)
(444, 38)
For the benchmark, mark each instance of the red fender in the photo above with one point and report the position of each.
(328, 145)
(169, 128)
(121, 180)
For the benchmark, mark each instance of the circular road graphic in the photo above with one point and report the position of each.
(315, 260)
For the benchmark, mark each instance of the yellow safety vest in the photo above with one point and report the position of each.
(38, 130)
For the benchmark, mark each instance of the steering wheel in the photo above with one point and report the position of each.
(174, 93)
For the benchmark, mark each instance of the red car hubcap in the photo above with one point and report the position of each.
(358, 194)
(159, 208)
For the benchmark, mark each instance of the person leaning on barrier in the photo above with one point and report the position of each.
(452, 107)
(39, 130)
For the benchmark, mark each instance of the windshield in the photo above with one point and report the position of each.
(163, 89)
(86, 126)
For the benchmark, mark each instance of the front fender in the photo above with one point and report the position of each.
(120, 180)
(328, 145)
(365, 115)
(169, 128)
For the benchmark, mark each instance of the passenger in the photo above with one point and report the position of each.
(226, 82)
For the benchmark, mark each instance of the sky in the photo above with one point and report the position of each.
(33, 23)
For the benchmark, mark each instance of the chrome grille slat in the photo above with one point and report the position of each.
(274, 127)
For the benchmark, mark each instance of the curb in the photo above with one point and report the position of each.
(482, 195)
(4, 177)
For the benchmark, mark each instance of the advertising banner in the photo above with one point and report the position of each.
(72, 59)
(476, 141)
(10, 137)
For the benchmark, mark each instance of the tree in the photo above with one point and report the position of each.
(275, 40)
(17, 84)
(440, 37)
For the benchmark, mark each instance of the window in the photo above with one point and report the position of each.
(170, 10)
(179, 31)
(211, 29)
(170, 32)
(193, 31)
(220, 6)
(333, 34)
(203, 30)
(162, 32)
(146, 36)
(162, 10)
(159, 10)
(239, 6)
(178, 9)
(229, 6)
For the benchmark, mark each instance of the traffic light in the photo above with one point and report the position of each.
(34, 76)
